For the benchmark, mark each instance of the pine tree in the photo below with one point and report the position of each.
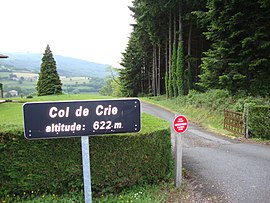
(175, 76)
(182, 79)
(49, 82)
(239, 55)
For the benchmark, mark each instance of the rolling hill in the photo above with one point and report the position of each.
(66, 66)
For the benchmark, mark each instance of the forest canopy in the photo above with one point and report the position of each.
(180, 45)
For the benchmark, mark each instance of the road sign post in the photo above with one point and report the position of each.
(86, 169)
(45, 120)
(180, 125)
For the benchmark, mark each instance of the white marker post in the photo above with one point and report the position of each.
(86, 169)
(180, 125)
(178, 160)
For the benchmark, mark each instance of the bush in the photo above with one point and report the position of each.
(258, 121)
(54, 166)
(212, 100)
(123, 161)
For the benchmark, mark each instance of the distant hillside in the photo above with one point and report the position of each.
(65, 65)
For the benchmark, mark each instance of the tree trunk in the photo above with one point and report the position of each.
(182, 80)
(174, 28)
(166, 56)
(190, 71)
(154, 71)
(170, 46)
(169, 78)
(159, 71)
(180, 24)
(166, 69)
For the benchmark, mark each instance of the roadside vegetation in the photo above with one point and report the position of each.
(206, 109)
(158, 193)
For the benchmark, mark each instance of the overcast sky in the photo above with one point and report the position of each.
(95, 30)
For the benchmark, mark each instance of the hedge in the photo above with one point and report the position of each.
(55, 166)
(258, 121)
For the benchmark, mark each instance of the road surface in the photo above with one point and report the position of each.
(221, 169)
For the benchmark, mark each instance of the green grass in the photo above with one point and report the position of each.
(65, 97)
(11, 112)
(159, 193)
(206, 109)
(203, 116)
(152, 123)
(25, 74)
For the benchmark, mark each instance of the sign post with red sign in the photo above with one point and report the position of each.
(180, 125)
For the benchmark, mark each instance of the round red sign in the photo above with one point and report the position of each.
(180, 124)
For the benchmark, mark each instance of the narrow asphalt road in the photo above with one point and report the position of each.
(221, 169)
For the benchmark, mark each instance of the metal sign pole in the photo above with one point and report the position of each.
(178, 160)
(86, 169)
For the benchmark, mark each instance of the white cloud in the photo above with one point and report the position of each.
(94, 30)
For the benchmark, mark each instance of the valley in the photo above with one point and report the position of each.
(19, 74)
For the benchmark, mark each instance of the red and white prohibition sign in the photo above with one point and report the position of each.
(180, 124)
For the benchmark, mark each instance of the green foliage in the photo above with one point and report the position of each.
(175, 72)
(258, 121)
(154, 27)
(130, 160)
(207, 108)
(167, 85)
(48, 82)
(112, 86)
(170, 86)
(181, 79)
(133, 61)
(229, 51)
(54, 166)
(239, 55)
(107, 89)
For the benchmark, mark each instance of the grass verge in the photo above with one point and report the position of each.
(158, 193)
(204, 117)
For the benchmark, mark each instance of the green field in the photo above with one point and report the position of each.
(25, 83)
(25, 74)
(11, 112)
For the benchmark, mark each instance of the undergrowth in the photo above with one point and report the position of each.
(206, 109)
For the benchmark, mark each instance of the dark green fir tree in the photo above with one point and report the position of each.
(49, 82)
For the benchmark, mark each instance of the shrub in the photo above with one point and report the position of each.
(258, 121)
(55, 166)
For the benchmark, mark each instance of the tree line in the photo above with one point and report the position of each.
(180, 45)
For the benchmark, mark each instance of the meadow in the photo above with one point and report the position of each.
(25, 83)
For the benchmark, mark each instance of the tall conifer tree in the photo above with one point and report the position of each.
(49, 82)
